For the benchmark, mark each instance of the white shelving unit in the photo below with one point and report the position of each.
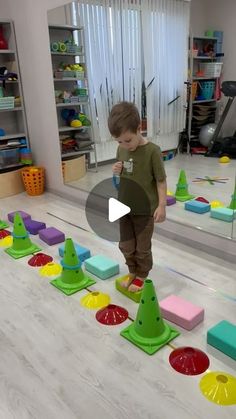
(12, 121)
(60, 33)
(194, 65)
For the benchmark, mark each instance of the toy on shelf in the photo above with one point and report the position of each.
(72, 278)
(22, 245)
(202, 199)
(75, 119)
(182, 193)
(149, 332)
(181, 312)
(3, 42)
(224, 159)
(33, 226)
(216, 204)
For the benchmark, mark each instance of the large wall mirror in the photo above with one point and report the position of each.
(85, 42)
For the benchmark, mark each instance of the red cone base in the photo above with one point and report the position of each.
(201, 199)
(189, 361)
(4, 233)
(112, 315)
(40, 259)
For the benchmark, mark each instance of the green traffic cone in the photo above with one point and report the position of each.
(149, 332)
(22, 245)
(181, 193)
(72, 278)
(3, 225)
(232, 204)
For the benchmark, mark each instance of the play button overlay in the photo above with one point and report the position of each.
(106, 208)
(116, 210)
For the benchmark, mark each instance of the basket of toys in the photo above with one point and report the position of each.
(33, 179)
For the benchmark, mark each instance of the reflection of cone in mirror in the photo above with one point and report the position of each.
(219, 388)
(72, 278)
(22, 245)
(232, 204)
(181, 193)
(149, 332)
(3, 224)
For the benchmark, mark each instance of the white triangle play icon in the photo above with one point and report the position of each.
(116, 210)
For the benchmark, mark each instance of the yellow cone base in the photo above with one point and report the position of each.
(6, 242)
(17, 254)
(150, 345)
(95, 300)
(135, 296)
(50, 269)
(219, 387)
(3, 225)
(70, 289)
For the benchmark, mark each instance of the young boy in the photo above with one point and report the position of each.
(142, 187)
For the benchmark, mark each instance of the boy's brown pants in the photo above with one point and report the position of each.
(135, 243)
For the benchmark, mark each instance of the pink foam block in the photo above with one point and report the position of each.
(181, 312)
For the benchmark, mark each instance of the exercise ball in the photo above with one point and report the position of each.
(206, 134)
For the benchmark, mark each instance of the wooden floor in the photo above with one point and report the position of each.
(58, 362)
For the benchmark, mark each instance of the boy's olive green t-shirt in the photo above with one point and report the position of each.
(142, 169)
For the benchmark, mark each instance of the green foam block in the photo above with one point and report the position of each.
(135, 296)
(223, 337)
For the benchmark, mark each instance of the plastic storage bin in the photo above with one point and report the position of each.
(9, 157)
(33, 178)
(7, 102)
(207, 89)
(211, 69)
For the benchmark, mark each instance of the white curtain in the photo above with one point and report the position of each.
(165, 26)
(113, 38)
(128, 41)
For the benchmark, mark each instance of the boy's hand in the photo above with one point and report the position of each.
(160, 214)
(117, 168)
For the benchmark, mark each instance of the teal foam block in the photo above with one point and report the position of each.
(82, 252)
(223, 337)
(224, 214)
(197, 206)
(101, 266)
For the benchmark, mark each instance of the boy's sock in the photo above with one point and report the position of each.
(136, 284)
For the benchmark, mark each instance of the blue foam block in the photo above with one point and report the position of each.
(223, 337)
(101, 266)
(224, 214)
(197, 206)
(82, 252)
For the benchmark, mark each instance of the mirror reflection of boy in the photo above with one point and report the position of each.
(139, 164)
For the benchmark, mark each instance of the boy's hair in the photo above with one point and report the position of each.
(124, 117)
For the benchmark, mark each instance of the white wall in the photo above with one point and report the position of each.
(198, 17)
(220, 15)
